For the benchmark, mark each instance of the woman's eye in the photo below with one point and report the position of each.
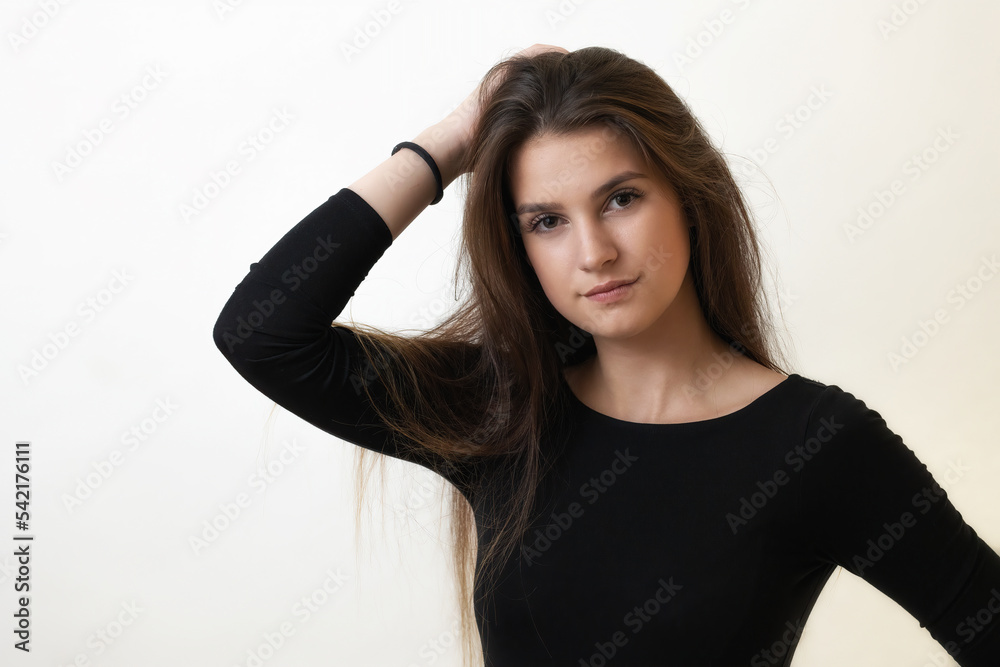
(537, 222)
(622, 199)
(629, 196)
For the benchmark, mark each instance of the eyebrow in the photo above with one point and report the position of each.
(612, 182)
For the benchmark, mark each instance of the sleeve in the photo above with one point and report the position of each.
(873, 508)
(276, 329)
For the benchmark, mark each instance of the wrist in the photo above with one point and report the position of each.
(447, 152)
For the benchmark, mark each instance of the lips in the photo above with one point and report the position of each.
(610, 285)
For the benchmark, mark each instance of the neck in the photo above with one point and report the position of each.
(671, 371)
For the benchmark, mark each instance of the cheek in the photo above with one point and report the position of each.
(549, 270)
(670, 245)
(532, 255)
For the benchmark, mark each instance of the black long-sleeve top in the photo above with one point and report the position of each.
(699, 543)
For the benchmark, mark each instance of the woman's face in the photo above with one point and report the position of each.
(591, 211)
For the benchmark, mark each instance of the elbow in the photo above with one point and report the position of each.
(226, 334)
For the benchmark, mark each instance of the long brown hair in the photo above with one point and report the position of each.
(486, 383)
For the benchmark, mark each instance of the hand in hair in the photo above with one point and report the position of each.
(402, 186)
(461, 122)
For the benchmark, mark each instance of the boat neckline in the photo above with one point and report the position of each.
(749, 408)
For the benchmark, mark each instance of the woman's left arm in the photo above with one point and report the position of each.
(877, 511)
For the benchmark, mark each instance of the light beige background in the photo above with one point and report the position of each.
(225, 68)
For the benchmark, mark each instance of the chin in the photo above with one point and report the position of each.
(611, 329)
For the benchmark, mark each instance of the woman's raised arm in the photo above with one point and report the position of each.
(403, 185)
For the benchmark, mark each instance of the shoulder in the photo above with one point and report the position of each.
(836, 408)
(856, 479)
(845, 438)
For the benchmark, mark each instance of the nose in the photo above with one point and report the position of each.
(596, 245)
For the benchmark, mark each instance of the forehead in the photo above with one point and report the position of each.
(552, 163)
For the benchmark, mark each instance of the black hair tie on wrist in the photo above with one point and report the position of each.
(430, 162)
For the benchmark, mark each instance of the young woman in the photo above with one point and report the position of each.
(637, 480)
